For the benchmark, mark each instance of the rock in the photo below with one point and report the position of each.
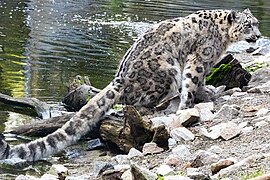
(215, 149)
(112, 174)
(185, 118)
(247, 162)
(134, 153)
(230, 130)
(204, 158)
(59, 170)
(264, 88)
(94, 144)
(164, 169)
(261, 124)
(176, 177)
(223, 163)
(239, 94)
(260, 76)
(142, 173)
(196, 174)
(182, 152)
(262, 112)
(246, 130)
(172, 143)
(127, 175)
(173, 160)
(263, 177)
(151, 148)
(21, 177)
(162, 120)
(49, 177)
(182, 133)
(121, 159)
(100, 167)
(227, 112)
(205, 110)
(225, 130)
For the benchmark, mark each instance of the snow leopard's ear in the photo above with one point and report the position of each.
(231, 17)
(247, 11)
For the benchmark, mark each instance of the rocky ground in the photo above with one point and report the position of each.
(227, 139)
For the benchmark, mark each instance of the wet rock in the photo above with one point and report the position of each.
(205, 110)
(134, 153)
(225, 130)
(182, 151)
(185, 118)
(164, 169)
(177, 177)
(204, 158)
(196, 174)
(221, 164)
(247, 162)
(227, 112)
(94, 144)
(182, 133)
(151, 148)
(100, 167)
(142, 173)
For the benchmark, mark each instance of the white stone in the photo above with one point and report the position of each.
(121, 159)
(145, 174)
(206, 157)
(172, 143)
(225, 130)
(243, 124)
(49, 177)
(134, 153)
(246, 130)
(206, 115)
(207, 105)
(127, 175)
(151, 148)
(215, 149)
(185, 118)
(58, 169)
(176, 177)
(182, 152)
(182, 133)
(164, 169)
(162, 120)
(262, 112)
(261, 124)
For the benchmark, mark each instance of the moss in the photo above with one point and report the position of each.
(256, 66)
(253, 174)
(218, 74)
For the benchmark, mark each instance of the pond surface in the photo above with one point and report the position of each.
(45, 43)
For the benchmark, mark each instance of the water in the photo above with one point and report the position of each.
(45, 43)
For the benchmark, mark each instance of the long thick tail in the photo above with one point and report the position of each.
(81, 123)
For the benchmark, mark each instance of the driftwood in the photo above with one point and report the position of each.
(134, 131)
(41, 108)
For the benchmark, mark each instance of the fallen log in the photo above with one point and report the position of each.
(41, 108)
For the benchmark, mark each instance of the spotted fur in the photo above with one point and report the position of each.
(173, 55)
